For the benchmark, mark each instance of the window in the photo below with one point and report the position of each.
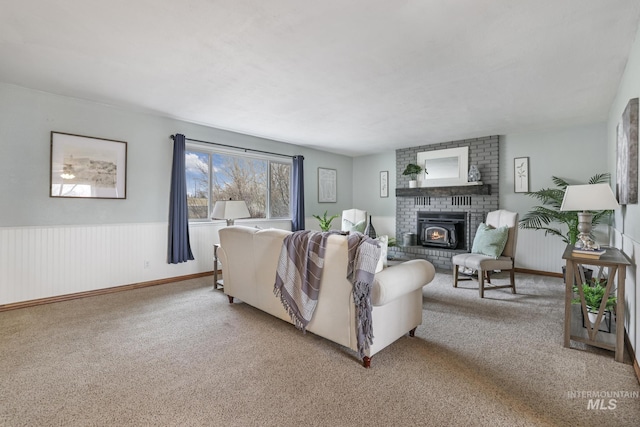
(263, 183)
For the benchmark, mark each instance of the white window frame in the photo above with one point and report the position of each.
(211, 150)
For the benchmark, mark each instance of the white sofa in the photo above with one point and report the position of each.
(250, 256)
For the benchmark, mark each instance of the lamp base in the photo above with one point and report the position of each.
(230, 222)
(584, 226)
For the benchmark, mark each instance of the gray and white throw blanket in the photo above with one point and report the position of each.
(364, 253)
(300, 270)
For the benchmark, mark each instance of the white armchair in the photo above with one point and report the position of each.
(354, 220)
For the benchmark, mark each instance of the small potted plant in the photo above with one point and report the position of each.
(324, 222)
(593, 295)
(412, 170)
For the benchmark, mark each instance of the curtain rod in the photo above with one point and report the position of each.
(236, 148)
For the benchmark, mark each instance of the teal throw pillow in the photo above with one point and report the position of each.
(490, 241)
(349, 226)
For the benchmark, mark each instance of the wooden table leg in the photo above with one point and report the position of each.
(622, 271)
(568, 280)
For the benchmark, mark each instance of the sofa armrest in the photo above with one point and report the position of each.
(401, 279)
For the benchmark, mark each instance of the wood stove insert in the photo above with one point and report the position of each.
(442, 229)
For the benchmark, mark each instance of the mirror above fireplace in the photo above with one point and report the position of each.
(446, 167)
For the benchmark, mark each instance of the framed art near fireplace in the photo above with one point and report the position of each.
(521, 174)
(87, 167)
(384, 183)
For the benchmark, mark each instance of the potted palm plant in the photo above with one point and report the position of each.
(552, 220)
(547, 216)
(412, 170)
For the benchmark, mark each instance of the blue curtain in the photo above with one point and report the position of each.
(179, 245)
(297, 201)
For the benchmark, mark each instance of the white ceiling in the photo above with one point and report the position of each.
(351, 77)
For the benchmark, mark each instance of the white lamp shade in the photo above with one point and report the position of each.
(230, 209)
(589, 197)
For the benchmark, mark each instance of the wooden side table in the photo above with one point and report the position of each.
(217, 283)
(615, 261)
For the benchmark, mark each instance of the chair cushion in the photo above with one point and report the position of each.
(350, 226)
(482, 262)
(490, 241)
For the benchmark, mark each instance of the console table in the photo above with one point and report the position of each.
(615, 261)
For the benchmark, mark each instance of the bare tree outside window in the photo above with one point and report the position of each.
(263, 184)
(280, 190)
(238, 178)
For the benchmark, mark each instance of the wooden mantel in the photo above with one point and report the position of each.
(458, 190)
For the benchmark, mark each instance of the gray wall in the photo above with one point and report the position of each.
(366, 183)
(27, 117)
(627, 222)
(366, 190)
(627, 218)
(575, 154)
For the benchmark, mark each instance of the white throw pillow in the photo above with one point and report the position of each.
(383, 242)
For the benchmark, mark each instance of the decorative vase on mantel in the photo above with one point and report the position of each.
(370, 231)
(474, 174)
(413, 183)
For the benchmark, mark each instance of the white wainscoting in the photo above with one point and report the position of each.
(535, 251)
(43, 262)
(631, 293)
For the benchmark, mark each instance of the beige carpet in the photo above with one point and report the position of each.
(180, 354)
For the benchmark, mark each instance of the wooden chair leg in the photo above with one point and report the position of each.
(488, 276)
(481, 283)
(455, 276)
(512, 276)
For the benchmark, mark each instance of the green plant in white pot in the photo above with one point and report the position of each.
(412, 170)
(593, 296)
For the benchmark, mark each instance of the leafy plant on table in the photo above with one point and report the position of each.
(324, 222)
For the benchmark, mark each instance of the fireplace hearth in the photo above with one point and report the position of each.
(442, 229)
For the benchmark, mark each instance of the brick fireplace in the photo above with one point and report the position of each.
(472, 202)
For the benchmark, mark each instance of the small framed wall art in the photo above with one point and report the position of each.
(87, 167)
(327, 185)
(384, 183)
(521, 174)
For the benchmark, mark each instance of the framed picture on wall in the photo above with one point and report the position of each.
(521, 174)
(327, 185)
(87, 167)
(384, 184)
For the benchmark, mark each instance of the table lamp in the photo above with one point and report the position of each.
(230, 210)
(585, 198)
